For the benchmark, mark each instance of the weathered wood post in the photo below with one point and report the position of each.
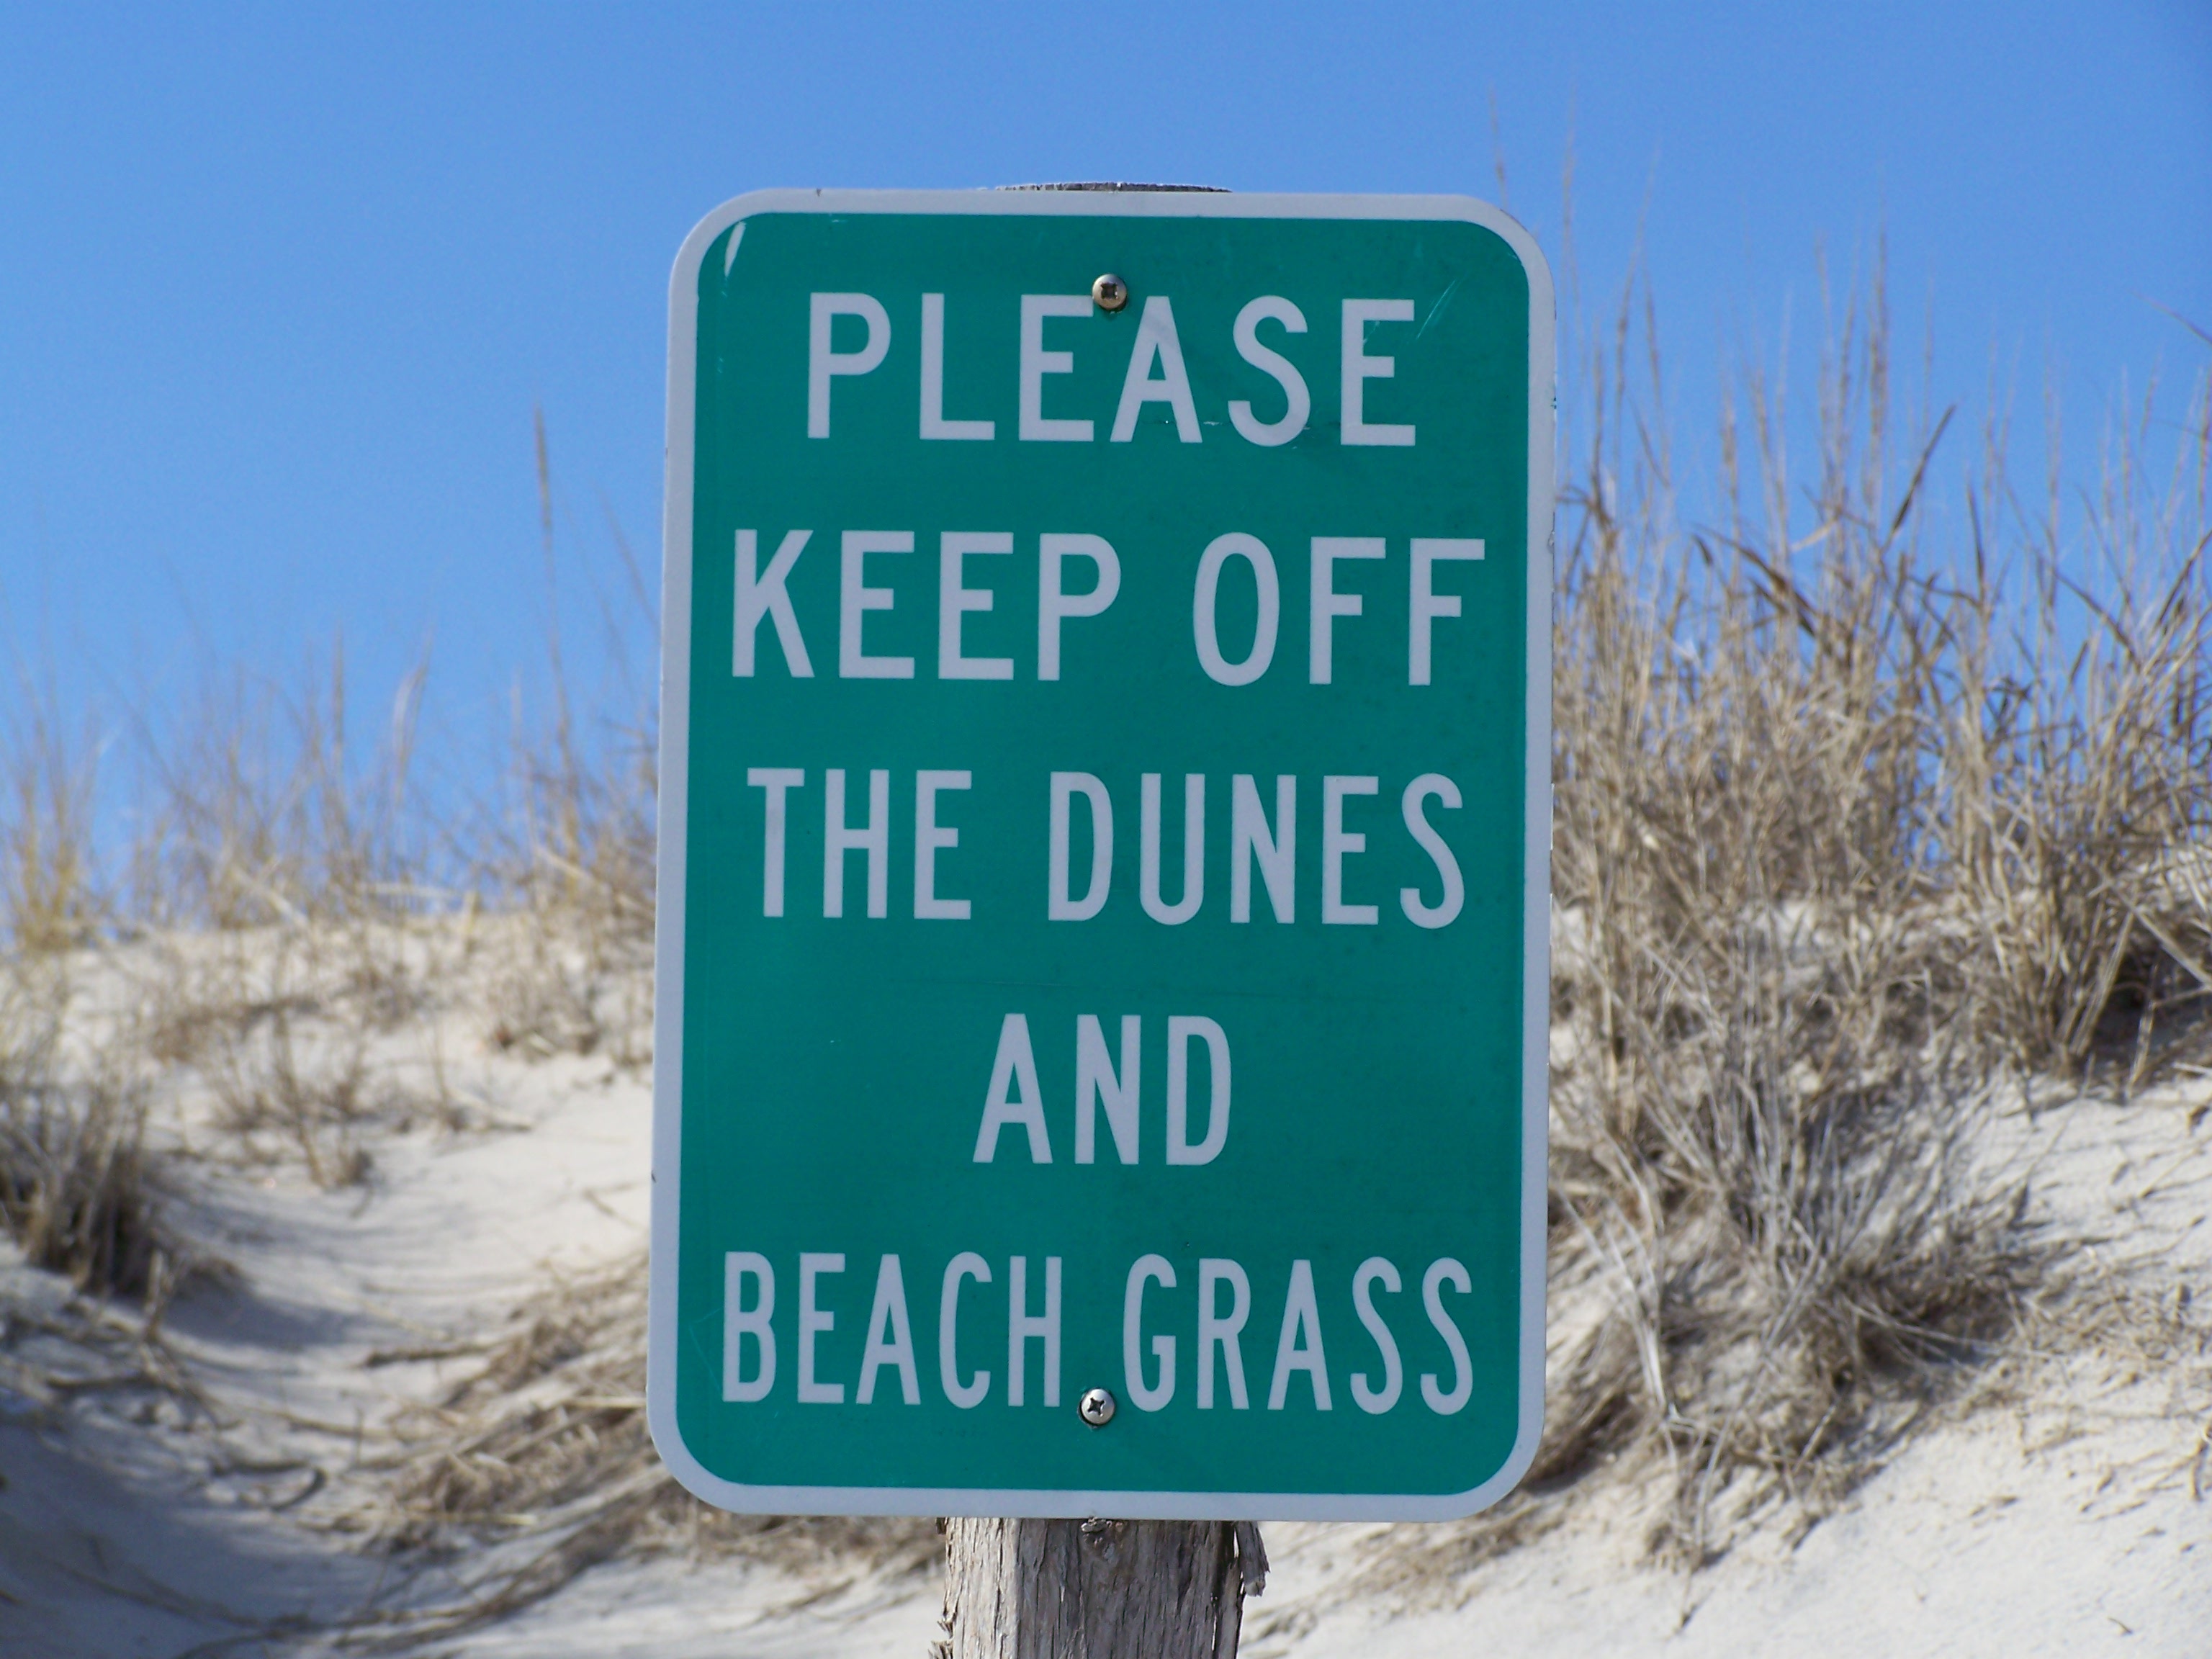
(1098, 1589)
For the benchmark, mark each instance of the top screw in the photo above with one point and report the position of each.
(1110, 292)
(1096, 1407)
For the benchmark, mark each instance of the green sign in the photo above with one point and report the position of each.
(1104, 814)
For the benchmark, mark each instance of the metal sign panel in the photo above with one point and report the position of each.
(1105, 817)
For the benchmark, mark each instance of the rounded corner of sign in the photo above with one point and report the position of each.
(735, 211)
(1459, 1505)
(1518, 237)
(1517, 1463)
(668, 1442)
(1542, 303)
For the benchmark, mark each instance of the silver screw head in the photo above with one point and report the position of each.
(1110, 293)
(1096, 1408)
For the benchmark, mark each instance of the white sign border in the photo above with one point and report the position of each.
(668, 949)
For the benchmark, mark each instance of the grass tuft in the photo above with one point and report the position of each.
(77, 1189)
(543, 1446)
(1857, 823)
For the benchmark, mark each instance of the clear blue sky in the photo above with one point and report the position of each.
(280, 286)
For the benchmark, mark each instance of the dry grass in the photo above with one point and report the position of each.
(281, 898)
(1854, 823)
(575, 859)
(573, 853)
(283, 902)
(543, 1446)
(253, 807)
(46, 901)
(76, 1189)
(285, 1027)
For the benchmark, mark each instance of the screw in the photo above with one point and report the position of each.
(1110, 293)
(1098, 1407)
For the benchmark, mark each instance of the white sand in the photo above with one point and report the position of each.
(2019, 1529)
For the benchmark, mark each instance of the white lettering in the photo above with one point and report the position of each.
(767, 596)
(933, 424)
(1327, 603)
(1194, 849)
(969, 1395)
(1373, 1401)
(929, 839)
(1013, 1097)
(822, 362)
(954, 601)
(1360, 368)
(1298, 1348)
(1182, 1029)
(1024, 1329)
(1146, 1397)
(1224, 1331)
(1249, 840)
(838, 839)
(1417, 825)
(1097, 1084)
(1427, 603)
(1298, 402)
(1337, 843)
(891, 1338)
(1060, 904)
(1254, 552)
(1156, 342)
(855, 600)
(1055, 603)
(778, 781)
(812, 1321)
(739, 1322)
(1440, 1273)
(1038, 362)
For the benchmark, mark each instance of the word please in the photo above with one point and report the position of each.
(764, 596)
(1259, 839)
(1156, 371)
(1150, 1370)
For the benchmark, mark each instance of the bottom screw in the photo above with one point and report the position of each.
(1096, 1408)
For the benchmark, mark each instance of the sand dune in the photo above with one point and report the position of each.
(229, 1488)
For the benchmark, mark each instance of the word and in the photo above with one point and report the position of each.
(1015, 1101)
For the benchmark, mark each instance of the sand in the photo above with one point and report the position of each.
(2063, 1517)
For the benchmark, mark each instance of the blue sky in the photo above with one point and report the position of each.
(280, 287)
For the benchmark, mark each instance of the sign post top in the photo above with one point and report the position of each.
(1104, 900)
(1126, 202)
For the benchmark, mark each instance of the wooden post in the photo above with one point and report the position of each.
(1097, 1589)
